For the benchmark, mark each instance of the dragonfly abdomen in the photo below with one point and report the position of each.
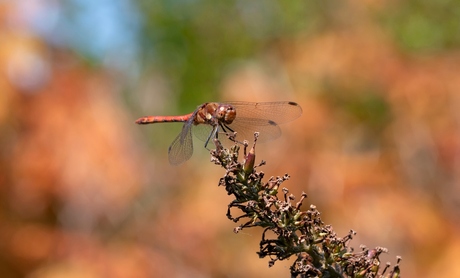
(163, 119)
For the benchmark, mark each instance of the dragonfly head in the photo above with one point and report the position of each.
(226, 113)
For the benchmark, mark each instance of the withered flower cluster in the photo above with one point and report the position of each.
(289, 231)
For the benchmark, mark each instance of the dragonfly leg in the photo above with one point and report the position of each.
(213, 134)
(230, 136)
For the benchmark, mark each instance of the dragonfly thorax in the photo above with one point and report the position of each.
(213, 113)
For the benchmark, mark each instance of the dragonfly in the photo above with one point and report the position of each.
(213, 118)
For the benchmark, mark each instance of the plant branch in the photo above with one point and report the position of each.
(289, 231)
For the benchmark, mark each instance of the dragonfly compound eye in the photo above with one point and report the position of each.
(226, 114)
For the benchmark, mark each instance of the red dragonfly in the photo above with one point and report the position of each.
(212, 118)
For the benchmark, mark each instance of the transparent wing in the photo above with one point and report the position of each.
(245, 128)
(279, 112)
(263, 117)
(181, 148)
(202, 131)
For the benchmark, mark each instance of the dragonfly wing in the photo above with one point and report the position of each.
(279, 112)
(202, 131)
(181, 148)
(245, 128)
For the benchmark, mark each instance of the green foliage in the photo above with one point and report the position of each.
(424, 26)
(193, 42)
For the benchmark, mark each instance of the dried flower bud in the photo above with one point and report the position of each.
(249, 161)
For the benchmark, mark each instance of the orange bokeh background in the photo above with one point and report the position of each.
(84, 192)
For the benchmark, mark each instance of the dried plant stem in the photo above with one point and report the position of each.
(289, 231)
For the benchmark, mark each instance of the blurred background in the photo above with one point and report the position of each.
(84, 192)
